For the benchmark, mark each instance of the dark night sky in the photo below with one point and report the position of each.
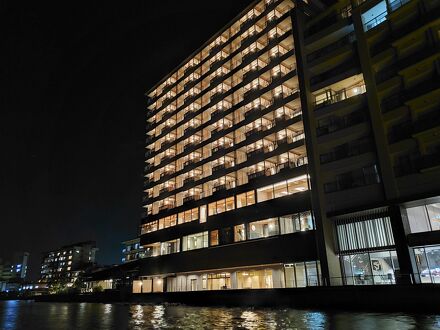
(72, 114)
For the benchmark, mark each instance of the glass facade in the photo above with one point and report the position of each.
(428, 263)
(195, 241)
(291, 275)
(226, 159)
(424, 218)
(370, 268)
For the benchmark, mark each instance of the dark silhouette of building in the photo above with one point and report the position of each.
(63, 266)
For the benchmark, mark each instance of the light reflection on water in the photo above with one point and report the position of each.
(20, 315)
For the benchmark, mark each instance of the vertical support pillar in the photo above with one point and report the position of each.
(377, 124)
(330, 266)
(404, 255)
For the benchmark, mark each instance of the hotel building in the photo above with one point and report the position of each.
(63, 266)
(132, 250)
(298, 147)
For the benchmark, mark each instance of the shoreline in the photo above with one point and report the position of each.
(420, 298)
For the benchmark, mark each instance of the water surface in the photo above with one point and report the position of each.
(27, 315)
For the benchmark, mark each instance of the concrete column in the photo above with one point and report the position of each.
(330, 266)
(377, 125)
(404, 253)
(278, 278)
(234, 284)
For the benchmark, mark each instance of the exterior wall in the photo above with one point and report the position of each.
(364, 107)
(63, 266)
(225, 142)
(294, 110)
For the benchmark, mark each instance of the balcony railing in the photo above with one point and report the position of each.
(223, 186)
(257, 151)
(189, 198)
(165, 189)
(348, 39)
(256, 130)
(166, 173)
(167, 157)
(188, 114)
(190, 145)
(191, 179)
(339, 123)
(222, 147)
(329, 20)
(253, 111)
(191, 161)
(221, 166)
(166, 207)
(190, 129)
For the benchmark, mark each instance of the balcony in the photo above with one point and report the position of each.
(189, 198)
(257, 174)
(277, 76)
(190, 179)
(221, 147)
(166, 173)
(254, 111)
(148, 152)
(248, 23)
(400, 132)
(220, 167)
(329, 20)
(189, 69)
(339, 123)
(191, 162)
(145, 198)
(217, 112)
(289, 164)
(253, 73)
(249, 56)
(219, 187)
(348, 66)
(190, 145)
(147, 167)
(274, 57)
(257, 151)
(216, 64)
(147, 182)
(216, 96)
(248, 40)
(252, 92)
(189, 99)
(167, 157)
(165, 189)
(166, 143)
(347, 150)
(346, 40)
(190, 129)
(166, 207)
(216, 80)
(256, 130)
(188, 114)
(219, 130)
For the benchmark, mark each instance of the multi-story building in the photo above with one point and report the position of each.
(275, 154)
(64, 265)
(13, 272)
(369, 80)
(132, 250)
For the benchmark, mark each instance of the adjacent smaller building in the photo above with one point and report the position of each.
(132, 250)
(64, 265)
(13, 272)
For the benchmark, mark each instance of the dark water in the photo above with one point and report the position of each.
(37, 316)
